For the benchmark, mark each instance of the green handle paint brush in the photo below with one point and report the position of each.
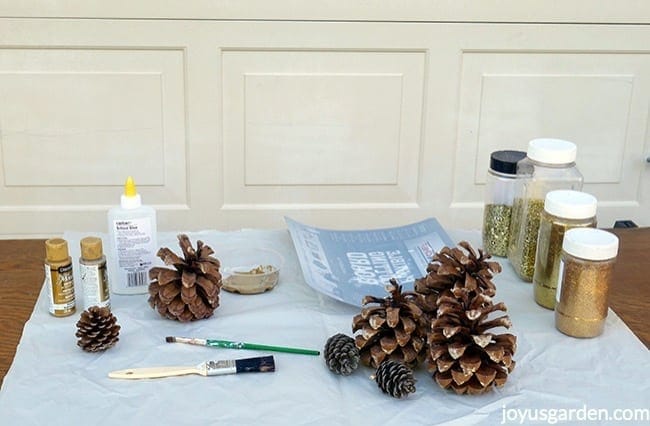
(227, 344)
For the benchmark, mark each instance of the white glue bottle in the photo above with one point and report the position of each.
(132, 242)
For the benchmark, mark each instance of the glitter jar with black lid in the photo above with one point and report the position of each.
(588, 258)
(563, 210)
(549, 165)
(499, 194)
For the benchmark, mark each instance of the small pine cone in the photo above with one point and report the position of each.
(395, 379)
(97, 329)
(341, 354)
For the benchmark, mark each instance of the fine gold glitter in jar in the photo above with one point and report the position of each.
(563, 210)
(588, 258)
(549, 165)
(524, 224)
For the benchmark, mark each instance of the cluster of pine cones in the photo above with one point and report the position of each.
(444, 323)
(188, 292)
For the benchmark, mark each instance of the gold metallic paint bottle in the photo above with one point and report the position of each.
(92, 268)
(59, 278)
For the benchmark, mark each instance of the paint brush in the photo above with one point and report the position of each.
(227, 344)
(263, 364)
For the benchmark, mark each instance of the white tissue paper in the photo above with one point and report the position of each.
(52, 381)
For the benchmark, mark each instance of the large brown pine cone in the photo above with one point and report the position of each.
(463, 354)
(453, 267)
(391, 328)
(190, 291)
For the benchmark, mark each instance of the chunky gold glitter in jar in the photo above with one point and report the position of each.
(563, 210)
(499, 194)
(496, 229)
(588, 258)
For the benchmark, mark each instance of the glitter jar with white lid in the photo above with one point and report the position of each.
(563, 210)
(588, 259)
(549, 165)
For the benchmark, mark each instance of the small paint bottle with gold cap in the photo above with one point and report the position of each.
(92, 268)
(59, 277)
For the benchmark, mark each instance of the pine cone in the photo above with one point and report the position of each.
(463, 355)
(453, 267)
(393, 329)
(97, 329)
(395, 379)
(191, 290)
(341, 354)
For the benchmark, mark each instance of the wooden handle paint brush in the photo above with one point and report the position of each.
(227, 344)
(263, 364)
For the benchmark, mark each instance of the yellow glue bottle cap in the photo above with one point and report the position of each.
(130, 199)
(129, 187)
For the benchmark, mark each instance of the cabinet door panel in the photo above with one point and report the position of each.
(235, 124)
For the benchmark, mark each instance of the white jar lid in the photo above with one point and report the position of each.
(570, 204)
(590, 243)
(552, 151)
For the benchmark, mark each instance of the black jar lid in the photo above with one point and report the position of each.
(506, 161)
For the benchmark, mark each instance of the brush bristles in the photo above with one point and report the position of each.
(170, 339)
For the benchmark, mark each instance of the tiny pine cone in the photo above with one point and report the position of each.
(341, 354)
(395, 379)
(97, 329)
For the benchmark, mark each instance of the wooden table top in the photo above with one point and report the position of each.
(21, 279)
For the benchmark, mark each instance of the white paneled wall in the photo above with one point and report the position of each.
(333, 127)
(229, 124)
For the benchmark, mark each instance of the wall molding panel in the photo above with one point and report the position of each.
(227, 124)
(75, 122)
(321, 127)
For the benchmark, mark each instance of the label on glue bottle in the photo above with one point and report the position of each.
(135, 249)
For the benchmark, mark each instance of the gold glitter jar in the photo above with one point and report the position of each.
(563, 210)
(499, 193)
(588, 258)
(549, 165)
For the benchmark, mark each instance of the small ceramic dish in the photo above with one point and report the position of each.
(251, 270)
